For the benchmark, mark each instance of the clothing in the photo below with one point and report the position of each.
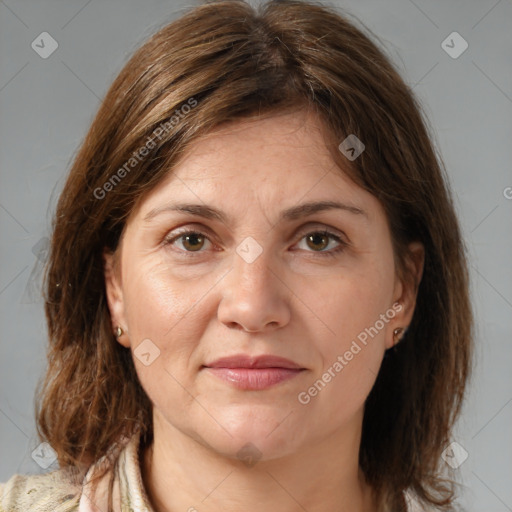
(63, 491)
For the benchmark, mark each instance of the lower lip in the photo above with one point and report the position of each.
(254, 378)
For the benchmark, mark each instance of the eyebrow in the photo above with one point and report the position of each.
(293, 213)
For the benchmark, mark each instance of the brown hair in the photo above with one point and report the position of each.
(228, 61)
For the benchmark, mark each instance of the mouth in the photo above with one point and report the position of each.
(254, 378)
(254, 373)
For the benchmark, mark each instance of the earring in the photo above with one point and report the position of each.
(396, 334)
(119, 331)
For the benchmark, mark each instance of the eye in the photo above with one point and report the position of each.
(191, 241)
(319, 241)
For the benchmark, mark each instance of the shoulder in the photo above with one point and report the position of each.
(57, 491)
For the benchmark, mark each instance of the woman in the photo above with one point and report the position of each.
(257, 293)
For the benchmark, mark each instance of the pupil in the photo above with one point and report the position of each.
(194, 239)
(314, 238)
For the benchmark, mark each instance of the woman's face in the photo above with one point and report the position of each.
(264, 272)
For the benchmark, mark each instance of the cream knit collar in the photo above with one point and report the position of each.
(123, 478)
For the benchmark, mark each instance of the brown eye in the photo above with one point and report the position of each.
(193, 241)
(323, 243)
(188, 241)
(317, 241)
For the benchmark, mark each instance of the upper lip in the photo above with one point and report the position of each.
(246, 361)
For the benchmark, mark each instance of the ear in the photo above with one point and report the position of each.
(114, 294)
(406, 291)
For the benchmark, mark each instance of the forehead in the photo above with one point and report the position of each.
(274, 162)
(285, 146)
(294, 140)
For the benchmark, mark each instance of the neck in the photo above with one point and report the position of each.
(181, 473)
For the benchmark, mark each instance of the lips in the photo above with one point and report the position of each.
(246, 361)
(253, 373)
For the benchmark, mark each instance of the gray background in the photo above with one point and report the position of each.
(47, 105)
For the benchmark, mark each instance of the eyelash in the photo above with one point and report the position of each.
(331, 253)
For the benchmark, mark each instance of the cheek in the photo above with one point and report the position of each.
(355, 301)
(350, 360)
(356, 308)
(156, 301)
(162, 315)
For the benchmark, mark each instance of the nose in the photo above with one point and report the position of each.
(254, 297)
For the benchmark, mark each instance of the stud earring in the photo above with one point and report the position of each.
(119, 331)
(396, 334)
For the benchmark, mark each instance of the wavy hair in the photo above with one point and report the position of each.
(236, 61)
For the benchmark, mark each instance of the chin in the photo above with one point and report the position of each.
(252, 439)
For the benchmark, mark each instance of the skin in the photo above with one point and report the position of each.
(291, 301)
